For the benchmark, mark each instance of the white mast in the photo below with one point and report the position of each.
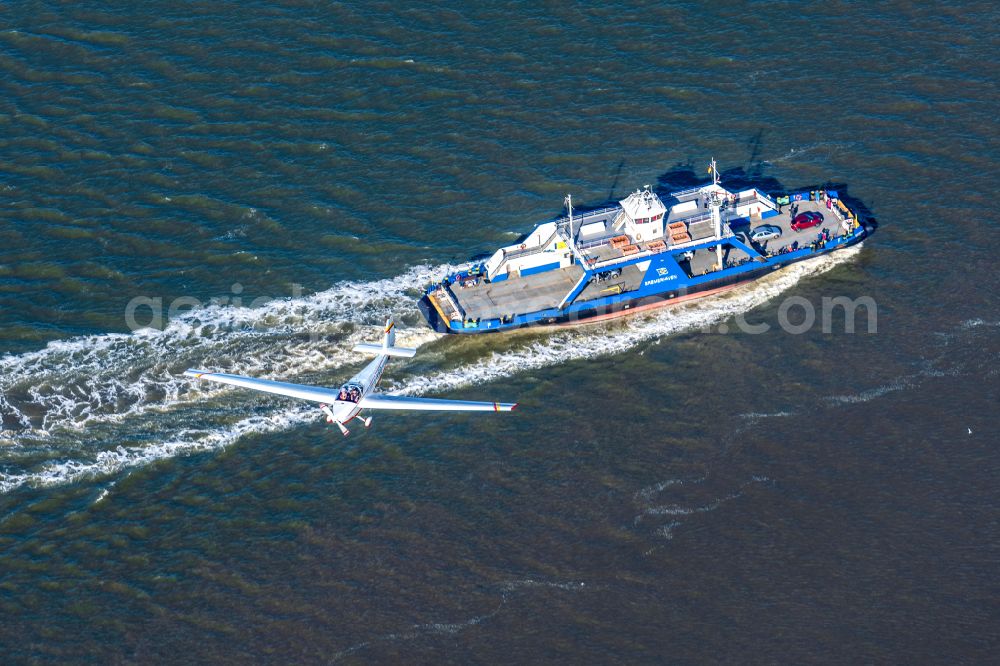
(715, 203)
(569, 205)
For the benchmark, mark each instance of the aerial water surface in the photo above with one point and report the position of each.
(254, 188)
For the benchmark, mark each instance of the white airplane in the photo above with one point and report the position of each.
(340, 406)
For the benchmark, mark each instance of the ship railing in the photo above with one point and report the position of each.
(452, 301)
(726, 233)
(740, 200)
(597, 265)
(700, 217)
(682, 193)
(534, 249)
(845, 222)
(575, 291)
(594, 265)
(561, 222)
(588, 214)
(596, 243)
(844, 215)
(765, 197)
(517, 254)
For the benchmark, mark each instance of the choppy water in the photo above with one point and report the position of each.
(672, 489)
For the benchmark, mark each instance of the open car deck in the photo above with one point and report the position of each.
(831, 222)
(488, 300)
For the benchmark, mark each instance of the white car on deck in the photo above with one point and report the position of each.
(765, 232)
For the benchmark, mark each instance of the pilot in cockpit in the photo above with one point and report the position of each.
(342, 395)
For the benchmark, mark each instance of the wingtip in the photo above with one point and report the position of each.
(191, 372)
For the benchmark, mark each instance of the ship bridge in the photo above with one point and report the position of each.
(642, 215)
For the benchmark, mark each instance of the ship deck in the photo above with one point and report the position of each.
(629, 280)
(517, 295)
(541, 291)
(788, 236)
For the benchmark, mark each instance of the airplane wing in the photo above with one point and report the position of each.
(313, 393)
(382, 401)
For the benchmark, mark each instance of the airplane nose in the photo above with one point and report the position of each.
(342, 412)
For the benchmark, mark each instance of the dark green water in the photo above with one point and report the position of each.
(669, 491)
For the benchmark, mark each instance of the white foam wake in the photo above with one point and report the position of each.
(557, 347)
(108, 378)
(590, 341)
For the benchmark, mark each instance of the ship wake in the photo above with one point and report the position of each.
(97, 406)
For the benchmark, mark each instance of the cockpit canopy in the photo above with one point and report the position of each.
(350, 393)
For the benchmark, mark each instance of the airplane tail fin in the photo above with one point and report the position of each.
(390, 333)
(388, 344)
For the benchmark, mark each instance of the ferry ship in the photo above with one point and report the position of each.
(644, 253)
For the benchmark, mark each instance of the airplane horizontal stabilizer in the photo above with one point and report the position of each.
(403, 352)
(383, 401)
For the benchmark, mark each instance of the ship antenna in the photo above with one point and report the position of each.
(571, 236)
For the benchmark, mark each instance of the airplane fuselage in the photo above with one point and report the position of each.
(362, 383)
(343, 404)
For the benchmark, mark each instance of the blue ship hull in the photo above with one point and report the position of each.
(623, 304)
(664, 281)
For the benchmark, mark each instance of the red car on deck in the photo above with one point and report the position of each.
(806, 220)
